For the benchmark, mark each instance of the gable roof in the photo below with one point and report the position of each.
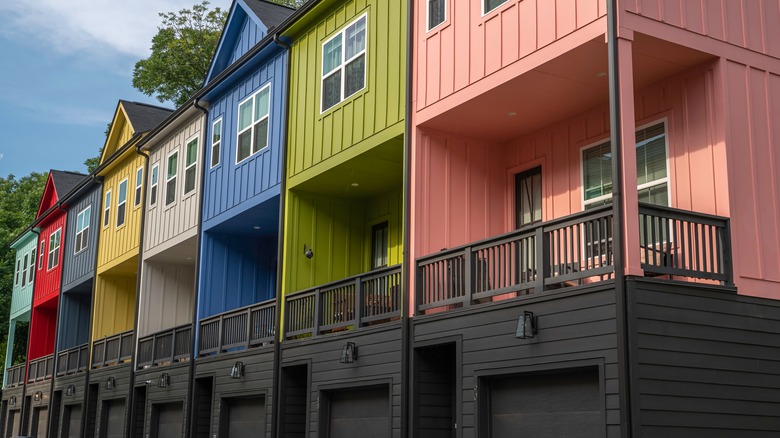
(271, 14)
(65, 181)
(143, 116)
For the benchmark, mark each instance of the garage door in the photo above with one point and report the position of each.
(542, 405)
(72, 421)
(13, 423)
(115, 419)
(246, 417)
(39, 421)
(169, 420)
(360, 412)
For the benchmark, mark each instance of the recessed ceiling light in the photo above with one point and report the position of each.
(511, 114)
(257, 227)
(188, 258)
(355, 184)
(601, 74)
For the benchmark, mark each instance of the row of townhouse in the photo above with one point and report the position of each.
(312, 247)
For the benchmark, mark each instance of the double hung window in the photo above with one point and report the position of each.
(107, 209)
(54, 250)
(82, 229)
(253, 124)
(18, 271)
(139, 182)
(191, 163)
(121, 203)
(216, 142)
(24, 269)
(170, 178)
(153, 186)
(32, 266)
(41, 252)
(437, 12)
(344, 63)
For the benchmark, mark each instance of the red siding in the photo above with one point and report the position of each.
(47, 282)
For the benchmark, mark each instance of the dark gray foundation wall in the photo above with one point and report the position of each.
(38, 411)
(12, 413)
(70, 411)
(111, 406)
(173, 397)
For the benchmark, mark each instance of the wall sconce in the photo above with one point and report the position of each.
(307, 251)
(70, 390)
(110, 383)
(12, 400)
(237, 371)
(163, 381)
(526, 325)
(349, 353)
(37, 396)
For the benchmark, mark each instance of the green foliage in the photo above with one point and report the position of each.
(181, 54)
(19, 199)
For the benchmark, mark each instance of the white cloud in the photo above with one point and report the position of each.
(105, 26)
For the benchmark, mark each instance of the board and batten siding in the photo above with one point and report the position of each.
(249, 35)
(77, 268)
(167, 294)
(21, 298)
(379, 108)
(165, 226)
(255, 179)
(73, 319)
(47, 281)
(114, 308)
(468, 47)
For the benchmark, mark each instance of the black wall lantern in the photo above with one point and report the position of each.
(12, 400)
(237, 371)
(110, 383)
(37, 396)
(307, 251)
(70, 390)
(349, 353)
(526, 325)
(163, 381)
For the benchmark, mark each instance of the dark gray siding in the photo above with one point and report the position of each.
(378, 363)
(74, 319)
(704, 362)
(577, 328)
(67, 401)
(177, 390)
(80, 267)
(41, 406)
(121, 391)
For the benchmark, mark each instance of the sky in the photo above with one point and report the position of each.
(63, 67)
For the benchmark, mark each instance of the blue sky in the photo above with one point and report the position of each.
(64, 66)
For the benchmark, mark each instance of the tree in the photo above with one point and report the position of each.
(181, 54)
(93, 162)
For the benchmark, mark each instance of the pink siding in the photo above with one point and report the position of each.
(468, 47)
(753, 135)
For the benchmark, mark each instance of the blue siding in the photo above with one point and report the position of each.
(250, 35)
(77, 268)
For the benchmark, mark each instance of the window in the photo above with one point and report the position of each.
(253, 124)
(24, 269)
(153, 186)
(18, 264)
(344, 63)
(41, 252)
(32, 266)
(379, 246)
(528, 197)
(489, 5)
(190, 165)
(170, 179)
(121, 203)
(107, 209)
(54, 250)
(437, 12)
(216, 142)
(82, 230)
(139, 182)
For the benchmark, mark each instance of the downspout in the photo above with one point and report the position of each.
(618, 225)
(194, 324)
(280, 245)
(24, 424)
(130, 396)
(406, 264)
(55, 357)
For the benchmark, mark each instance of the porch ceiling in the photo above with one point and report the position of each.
(565, 86)
(182, 253)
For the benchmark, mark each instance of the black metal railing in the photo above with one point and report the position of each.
(165, 347)
(239, 329)
(685, 244)
(365, 299)
(562, 252)
(14, 375)
(73, 360)
(112, 350)
(41, 369)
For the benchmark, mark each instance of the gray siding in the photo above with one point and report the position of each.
(704, 362)
(78, 268)
(122, 386)
(177, 390)
(60, 385)
(167, 297)
(167, 226)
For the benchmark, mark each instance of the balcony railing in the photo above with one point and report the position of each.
(14, 376)
(112, 350)
(72, 361)
(41, 369)
(165, 347)
(366, 299)
(239, 329)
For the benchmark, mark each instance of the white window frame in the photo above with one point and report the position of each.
(41, 254)
(196, 139)
(252, 125)
(18, 265)
(174, 177)
(80, 232)
(343, 63)
(120, 203)
(428, 15)
(32, 266)
(25, 263)
(218, 143)
(154, 184)
(107, 209)
(484, 3)
(49, 258)
(139, 184)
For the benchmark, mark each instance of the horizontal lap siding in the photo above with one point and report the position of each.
(467, 48)
(575, 326)
(122, 387)
(704, 362)
(78, 266)
(379, 361)
(177, 390)
(77, 399)
(164, 223)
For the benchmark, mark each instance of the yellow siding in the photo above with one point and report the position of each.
(114, 306)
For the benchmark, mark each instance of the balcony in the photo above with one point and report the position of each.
(14, 376)
(72, 361)
(362, 300)
(112, 350)
(165, 347)
(571, 251)
(239, 329)
(41, 369)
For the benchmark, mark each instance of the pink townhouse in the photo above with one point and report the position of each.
(594, 216)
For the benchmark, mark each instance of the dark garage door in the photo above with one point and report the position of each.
(246, 417)
(547, 405)
(72, 421)
(115, 419)
(169, 420)
(40, 418)
(13, 423)
(360, 412)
